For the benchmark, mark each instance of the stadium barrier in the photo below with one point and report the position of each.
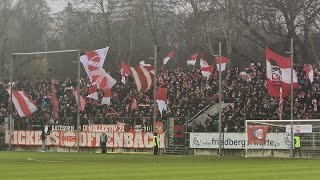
(124, 134)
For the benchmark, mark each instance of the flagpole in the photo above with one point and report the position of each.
(155, 89)
(291, 98)
(280, 104)
(220, 100)
(11, 103)
(78, 104)
(291, 94)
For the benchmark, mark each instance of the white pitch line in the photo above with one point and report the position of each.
(37, 160)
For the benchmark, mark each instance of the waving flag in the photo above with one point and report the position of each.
(193, 59)
(93, 92)
(309, 72)
(55, 107)
(207, 71)
(106, 96)
(144, 77)
(94, 60)
(205, 68)
(224, 62)
(203, 62)
(23, 105)
(279, 74)
(125, 71)
(82, 101)
(169, 56)
(162, 99)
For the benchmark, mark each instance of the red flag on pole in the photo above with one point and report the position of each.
(82, 101)
(279, 74)
(169, 56)
(144, 77)
(23, 105)
(55, 106)
(193, 59)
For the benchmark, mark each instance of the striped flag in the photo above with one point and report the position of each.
(279, 74)
(309, 72)
(23, 105)
(106, 97)
(193, 59)
(162, 99)
(54, 99)
(125, 71)
(144, 77)
(224, 61)
(169, 56)
(82, 101)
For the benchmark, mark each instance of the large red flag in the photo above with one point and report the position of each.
(193, 59)
(162, 99)
(144, 77)
(125, 71)
(54, 100)
(169, 56)
(279, 74)
(82, 101)
(23, 105)
(224, 61)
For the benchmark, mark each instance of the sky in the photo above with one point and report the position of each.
(57, 5)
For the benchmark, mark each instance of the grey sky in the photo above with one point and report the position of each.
(56, 5)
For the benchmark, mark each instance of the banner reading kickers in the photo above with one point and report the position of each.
(87, 139)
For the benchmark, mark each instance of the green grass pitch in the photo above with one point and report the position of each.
(35, 165)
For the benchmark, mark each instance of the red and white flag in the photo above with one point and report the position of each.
(279, 74)
(94, 60)
(104, 80)
(142, 63)
(203, 62)
(193, 59)
(82, 101)
(169, 56)
(106, 96)
(207, 71)
(23, 105)
(162, 99)
(125, 71)
(144, 77)
(205, 68)
(93, 92)
(55, 105)
(224, 61)
(309, 72)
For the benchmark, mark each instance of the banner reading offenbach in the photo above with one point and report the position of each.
(87, 139)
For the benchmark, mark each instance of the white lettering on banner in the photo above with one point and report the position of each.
(62, 128)
(305, 128)
(87, 139)
(103, 128)
(238, 141)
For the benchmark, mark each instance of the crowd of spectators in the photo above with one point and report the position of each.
(188, 93)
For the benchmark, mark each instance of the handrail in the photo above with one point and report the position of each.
(200, 112)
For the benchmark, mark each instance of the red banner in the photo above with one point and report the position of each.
(178, 131)
(87, 139)
(257, 134)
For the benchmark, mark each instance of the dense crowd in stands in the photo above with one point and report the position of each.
(188, 93)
